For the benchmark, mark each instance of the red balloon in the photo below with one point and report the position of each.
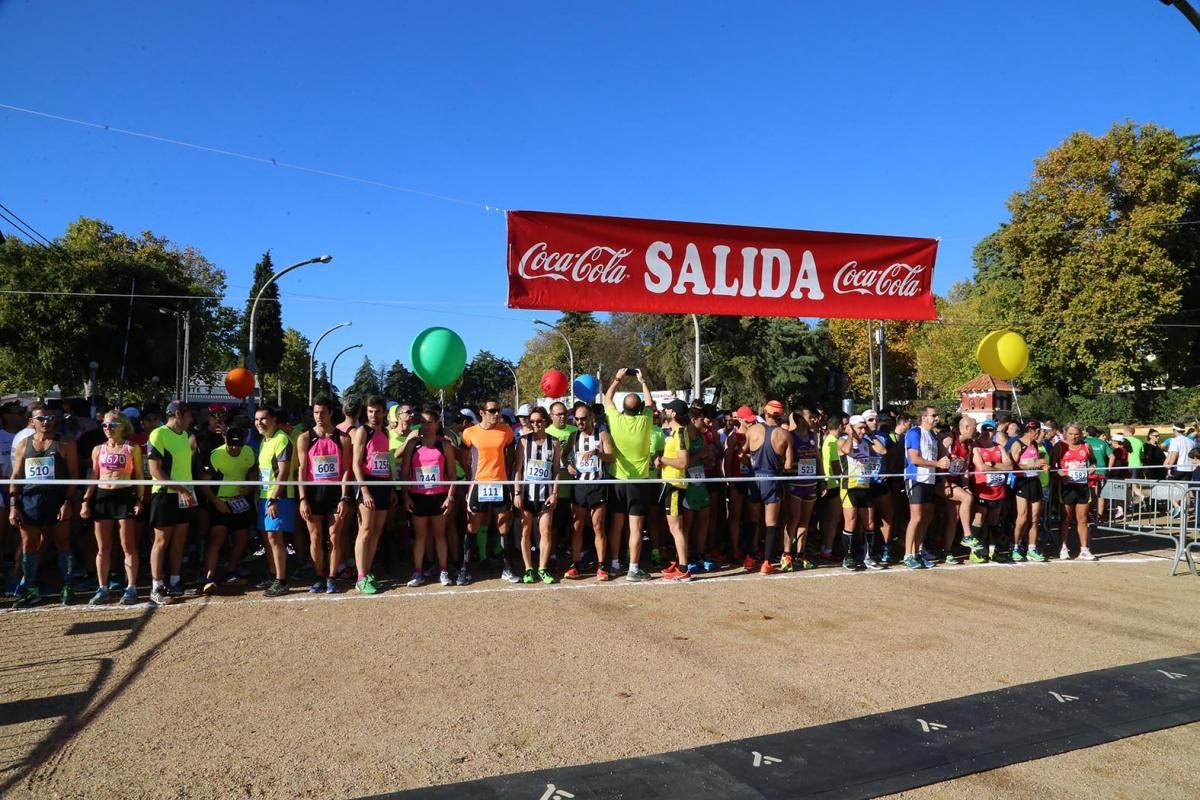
(554, 383)
(239, 382)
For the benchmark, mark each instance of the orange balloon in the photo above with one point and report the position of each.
(239, 382)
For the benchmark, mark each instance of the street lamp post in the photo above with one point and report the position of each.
(696, 366)
(182, 355)
(516, 387)
(570, 354)
(312, 356)
(251, 361)
(333, 366)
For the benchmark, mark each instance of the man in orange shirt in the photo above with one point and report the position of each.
(490, 446)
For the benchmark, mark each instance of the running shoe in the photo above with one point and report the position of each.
(926, 558)
(912, 562)
(444, 578)
(159, 597)
(101, 597)
(872, 564)
(637, 574)
(507, 575)
(209, 587)
(464, 578)
(317, 587)
(885, 556)
(572, 573)
(176, 590)
(826, 556)
(235, 580)
(953, 560)
(1064, 554)
(276, 589)
(849, 563)
(1017, 555)
(656, 558)
(671, 569)
(971, 542)
(418, 579)
(786, 563)
(129, 596)
(27, 597)
(330, 586)
(677, 576)
(1036, 555)
(749, 564)
(602, 574)
(767, 568)
(545, 576)
(68, 595)
(692, 567)
(806, 564)
(528, 577)
(365, 586)
(1086, 555)
(978, 557)
(709, 564)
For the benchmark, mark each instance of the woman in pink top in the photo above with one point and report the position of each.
(111, 503)
(427, 461)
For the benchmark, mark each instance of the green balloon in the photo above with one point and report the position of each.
(438, 356)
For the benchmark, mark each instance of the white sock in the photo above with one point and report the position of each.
(156, 584)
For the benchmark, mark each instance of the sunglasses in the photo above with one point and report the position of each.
(45, 420)
(109, 426)
(491, 411)
(582, 419)
(537, 422)
(406, 412)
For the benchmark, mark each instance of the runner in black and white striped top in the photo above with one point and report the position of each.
(536, 492)
(588, 452)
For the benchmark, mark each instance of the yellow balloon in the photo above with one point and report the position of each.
(985, 343)
(1004, 356)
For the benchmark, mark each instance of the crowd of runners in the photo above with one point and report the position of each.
(602, 490)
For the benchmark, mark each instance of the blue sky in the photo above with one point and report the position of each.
(904, 118)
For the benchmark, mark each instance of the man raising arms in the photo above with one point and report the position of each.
(630, 428)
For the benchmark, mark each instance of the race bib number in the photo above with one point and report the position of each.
(1077, 474)
(379, 466)
(874, 466)
(264, 475)
(587, 466)
(428, 476)
(806, 467)
(39, 468)
(957, 465)
(187, 499)
(996, 478)
(325, 467)
(695, 472)
(238, 505)
(537, 470)
(490, 492)
(113, 462)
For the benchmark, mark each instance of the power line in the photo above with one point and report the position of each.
(26, 225)
(274, 162)
(20, 230)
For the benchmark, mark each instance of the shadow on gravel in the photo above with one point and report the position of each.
(57, 668)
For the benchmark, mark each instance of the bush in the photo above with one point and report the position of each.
(1045, 404)
(1102, 409)
(1177, 404)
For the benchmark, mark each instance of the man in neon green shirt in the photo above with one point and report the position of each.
(276, 502)
(173, 502)
(630, 428)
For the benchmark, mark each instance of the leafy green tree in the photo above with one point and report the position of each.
(268, 320)
(486, 376)
(49, 339)
(402, 384)
(293, 370)
(365, 383)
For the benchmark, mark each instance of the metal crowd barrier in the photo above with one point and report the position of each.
(1160, 509)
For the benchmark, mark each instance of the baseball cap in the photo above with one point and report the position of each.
(523, 411)
(469, 414)
(774, 407)
(709, 410)
(870, 414)
(12, 407)
(1118, 437)
(678, 406)
(1032, 425)
(858, 419)
(131, 412)
(235, 436)
(987, 425)
(175, 406)
(746, 413)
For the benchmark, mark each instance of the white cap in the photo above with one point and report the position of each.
(524, 410)
(858, 419)
(469, 414)
(1118, 437)
(870, 414)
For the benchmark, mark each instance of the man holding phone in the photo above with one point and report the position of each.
(630, 428)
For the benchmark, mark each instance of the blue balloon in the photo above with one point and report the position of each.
(586, 387)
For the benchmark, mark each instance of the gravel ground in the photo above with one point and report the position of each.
(314, 696)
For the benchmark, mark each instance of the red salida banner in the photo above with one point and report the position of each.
(576, 262)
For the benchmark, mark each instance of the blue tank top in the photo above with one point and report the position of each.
(765, 460)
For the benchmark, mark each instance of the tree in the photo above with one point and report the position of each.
(293, 370)
(850, 341)
(401, 384)
(268, 320)
(365, 383)
(49, 339)
(487, 377)
(1105, 254)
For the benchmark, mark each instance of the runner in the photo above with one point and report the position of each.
(802, 495)
(882, 503)
(12, 420)
(1027, 488)
(490, 497)
(959, 499)
(232, 506)
(856, 451)
(710, 432)
(172, 502)
(427, 459)
(1179, 462)
(1102, 451)
(561, 429)
(831, 507)
(1073, 463)
(109, 503)
(990, 482)
(325, 456)
(770, 448)
(674, 465)
(630, 429)
(352, 415)
(589, 452)
(696, 501)
(372, 464)
(276, 502)
(744, 499)
(535, 493)
(921, 463)
(41, 509)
